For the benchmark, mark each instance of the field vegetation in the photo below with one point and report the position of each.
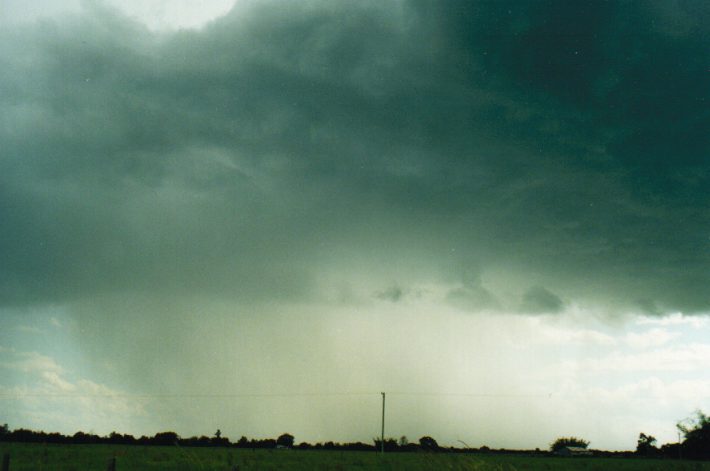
(40, 451)
(56, 457)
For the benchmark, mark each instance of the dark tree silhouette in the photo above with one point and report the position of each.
(697, 437)
(166, 438)
(560, 443)
(85, 438)
(646, 445)
(243, 442)
(671, 450)
(265, 443)
(285, 440)
(219, 440)
(117, 438)
(390, 444)
(429, 444)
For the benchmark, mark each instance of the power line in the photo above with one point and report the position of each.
(187, 395)
(464, 394)
(282, 394)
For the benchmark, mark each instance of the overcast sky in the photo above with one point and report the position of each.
(498, 212)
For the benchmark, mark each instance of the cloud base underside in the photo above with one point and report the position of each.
(523, 155)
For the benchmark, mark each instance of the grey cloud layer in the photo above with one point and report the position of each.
(560, 144)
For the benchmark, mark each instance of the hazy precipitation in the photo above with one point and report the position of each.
(343, 197)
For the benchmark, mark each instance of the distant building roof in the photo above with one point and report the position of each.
(573, 450)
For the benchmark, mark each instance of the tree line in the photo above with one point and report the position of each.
(285, 440)
(170, 438)
(695, 443)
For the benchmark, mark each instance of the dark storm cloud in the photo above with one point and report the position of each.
(538, 300)
(557, 141)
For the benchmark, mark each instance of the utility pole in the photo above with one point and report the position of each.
(382, 437)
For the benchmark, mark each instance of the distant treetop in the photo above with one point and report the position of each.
(562, 442)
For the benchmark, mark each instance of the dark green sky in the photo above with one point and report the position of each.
(563, 141)
(491, 157)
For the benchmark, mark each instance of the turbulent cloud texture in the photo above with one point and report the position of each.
(316, 194)
(556, 144)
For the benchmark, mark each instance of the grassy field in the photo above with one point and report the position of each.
(35, 457)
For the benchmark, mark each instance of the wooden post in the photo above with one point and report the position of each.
(111, 464)
(6, 462)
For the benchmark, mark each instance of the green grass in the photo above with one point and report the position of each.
(37, 457)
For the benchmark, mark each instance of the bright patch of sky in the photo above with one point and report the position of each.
(557, 374)
(157, 15)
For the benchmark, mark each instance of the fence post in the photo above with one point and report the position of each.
(6, 462)
(111, 464)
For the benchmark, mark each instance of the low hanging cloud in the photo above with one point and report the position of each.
(559, 142)
(393, 294)
(538, 300)
(473, 298)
